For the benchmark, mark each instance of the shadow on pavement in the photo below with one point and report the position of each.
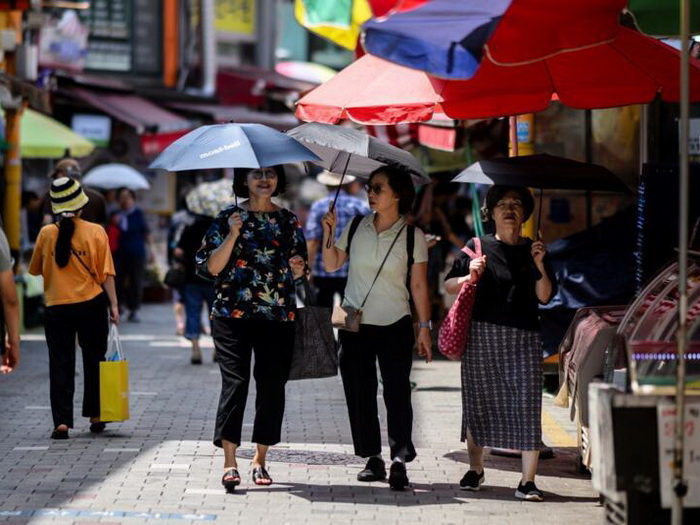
(564, 464)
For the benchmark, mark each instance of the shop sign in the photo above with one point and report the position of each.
(153, 144)
(63, 43)
(235, 20)
(666, 417)
(96, 128)
(694, 138)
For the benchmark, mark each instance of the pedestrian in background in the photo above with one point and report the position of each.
(132, 252)
(10, 309)
(74, 259)
(386, 332)
(347, 206)
(256, 250)
(197, 291)
(502, 363)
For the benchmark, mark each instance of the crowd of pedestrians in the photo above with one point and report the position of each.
(245, 265)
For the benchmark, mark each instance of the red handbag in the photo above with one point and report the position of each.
(454, 330)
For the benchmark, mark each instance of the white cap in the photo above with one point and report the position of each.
(329, 178)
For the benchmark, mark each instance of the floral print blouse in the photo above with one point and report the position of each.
(257, 282)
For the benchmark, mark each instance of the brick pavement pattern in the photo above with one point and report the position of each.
(161, 467)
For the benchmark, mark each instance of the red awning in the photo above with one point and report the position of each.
(249, 84)
(279, 121)
(141, 114)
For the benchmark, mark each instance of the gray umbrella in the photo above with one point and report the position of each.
(348, 151)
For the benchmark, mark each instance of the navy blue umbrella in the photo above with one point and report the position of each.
(232, 146)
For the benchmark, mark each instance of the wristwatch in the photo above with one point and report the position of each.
(426, 324)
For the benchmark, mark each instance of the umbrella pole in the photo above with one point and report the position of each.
(539, 216)
(337, 192)
(680, 486)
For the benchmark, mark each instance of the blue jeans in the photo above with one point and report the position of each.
(195, 294)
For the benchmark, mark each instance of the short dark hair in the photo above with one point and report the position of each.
(128, 190)
(401, 183)
(497, 192)
(240, 188)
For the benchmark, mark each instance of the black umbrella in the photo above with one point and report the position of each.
(544, 172)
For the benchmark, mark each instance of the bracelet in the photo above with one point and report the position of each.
(426, 324)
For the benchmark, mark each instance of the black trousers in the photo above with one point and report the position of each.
(235, 341)
(131, 270)
(88, 320)
(327, 287)
(392, 346)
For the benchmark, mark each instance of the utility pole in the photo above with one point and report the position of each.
(13, 160)
(267, 34)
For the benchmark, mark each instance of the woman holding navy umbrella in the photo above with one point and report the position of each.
(257, 251)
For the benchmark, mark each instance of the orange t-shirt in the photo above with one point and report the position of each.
(73, 283)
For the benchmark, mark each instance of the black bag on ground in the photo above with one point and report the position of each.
(315, 352)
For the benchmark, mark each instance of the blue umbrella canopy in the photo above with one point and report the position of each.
(231, 146)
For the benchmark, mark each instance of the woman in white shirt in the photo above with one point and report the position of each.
(386, 331)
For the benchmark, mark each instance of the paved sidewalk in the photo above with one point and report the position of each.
(160, 466)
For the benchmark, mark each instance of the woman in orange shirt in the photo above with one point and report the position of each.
(74, 258)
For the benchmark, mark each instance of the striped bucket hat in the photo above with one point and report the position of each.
(67, 196)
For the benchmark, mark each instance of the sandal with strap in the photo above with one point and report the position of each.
(261, 476)
(231, 479)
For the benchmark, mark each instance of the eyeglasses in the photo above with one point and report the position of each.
(509, 204)
(267, 174)
(374, 188)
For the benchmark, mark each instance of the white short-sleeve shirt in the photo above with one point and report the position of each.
(389, 299)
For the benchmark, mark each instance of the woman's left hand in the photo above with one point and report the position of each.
(538, 251)
(425, 345)
(297, 265)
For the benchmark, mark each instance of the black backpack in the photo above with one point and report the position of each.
(410, 242)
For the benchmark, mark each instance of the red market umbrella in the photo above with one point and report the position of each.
(449, 39)
(631, 69)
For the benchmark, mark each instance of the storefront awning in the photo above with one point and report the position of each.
(42, 137)
(240, 114)
(141, 114)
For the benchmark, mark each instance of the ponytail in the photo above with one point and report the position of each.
(66, 227)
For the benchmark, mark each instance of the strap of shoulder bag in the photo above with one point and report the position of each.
(382, 265)
(477, 245)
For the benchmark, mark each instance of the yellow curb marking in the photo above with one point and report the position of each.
(557, 435)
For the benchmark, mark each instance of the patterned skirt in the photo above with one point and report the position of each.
(502, 387)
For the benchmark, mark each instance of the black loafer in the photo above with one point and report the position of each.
(398, 479)
(97, 427)
(59, 434)
(374, 470)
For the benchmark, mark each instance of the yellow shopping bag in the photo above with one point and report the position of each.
(114, 381)
(114, 390)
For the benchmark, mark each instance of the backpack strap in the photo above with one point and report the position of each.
(353, 228)
(410, 244)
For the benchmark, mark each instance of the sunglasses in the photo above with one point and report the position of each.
(374, 188)
(259, 175)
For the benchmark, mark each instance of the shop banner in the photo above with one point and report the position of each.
(235, 19)
(666, 417)
(63, 43)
